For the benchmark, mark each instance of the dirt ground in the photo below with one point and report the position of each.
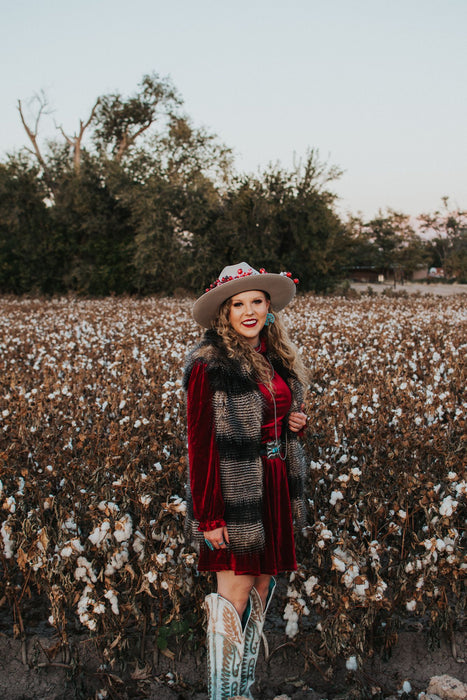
(437, 289)
(291, 671)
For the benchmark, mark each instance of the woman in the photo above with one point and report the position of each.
(244, 385)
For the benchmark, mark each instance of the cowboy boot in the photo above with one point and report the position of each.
(225, 643)
(253, 633)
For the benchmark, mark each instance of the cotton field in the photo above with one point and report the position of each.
(92, 467)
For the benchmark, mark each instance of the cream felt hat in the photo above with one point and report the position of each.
(243, 278)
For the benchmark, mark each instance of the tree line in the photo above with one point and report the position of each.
(139, 200)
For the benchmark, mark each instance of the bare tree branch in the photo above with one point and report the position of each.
(75, 141)
(32, 134)
(128, 141)
(33, 137)
(68, 139)
(42, 99)
(91, 117)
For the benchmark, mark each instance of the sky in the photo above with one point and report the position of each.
(378, 87)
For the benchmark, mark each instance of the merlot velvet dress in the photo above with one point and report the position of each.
(208, 505)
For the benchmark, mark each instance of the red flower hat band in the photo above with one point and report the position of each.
(238, 278)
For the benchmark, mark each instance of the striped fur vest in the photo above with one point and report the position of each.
(238, 412)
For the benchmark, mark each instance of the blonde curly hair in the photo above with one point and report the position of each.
(277, 342)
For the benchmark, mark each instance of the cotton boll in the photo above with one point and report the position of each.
(70, 525)
(361, 588)
(339, 564)
(8, 542)
(351, 573)
(123, 528)
(111, 596)
(340, 560)
(92, 625)
(152, 576)
(100, 532)
(84, 570)
(10, 504)
(84, 603)
(178, 505)
(335, 496)
(310, 584)
(117, 561)
(406, 688)
(138, 544)
(291, 616)
(448, 506)
(108, 507)
(76, 545)
(351, 663)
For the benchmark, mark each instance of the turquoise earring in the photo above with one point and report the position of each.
(270, 318)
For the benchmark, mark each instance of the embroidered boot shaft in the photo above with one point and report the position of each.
(253, 634)
(225, 640)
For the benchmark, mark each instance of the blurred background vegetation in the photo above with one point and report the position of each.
(141, 201)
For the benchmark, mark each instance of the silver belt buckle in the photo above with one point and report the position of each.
(273, 448)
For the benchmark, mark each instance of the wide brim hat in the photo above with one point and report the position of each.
(238, 278)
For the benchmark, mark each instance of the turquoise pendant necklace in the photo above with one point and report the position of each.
(273, 447)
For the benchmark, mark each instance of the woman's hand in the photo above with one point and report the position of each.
(218, 538)
(297, 420)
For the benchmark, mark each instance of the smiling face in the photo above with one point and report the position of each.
(247, 314)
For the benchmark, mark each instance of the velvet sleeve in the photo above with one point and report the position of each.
(205, 484)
